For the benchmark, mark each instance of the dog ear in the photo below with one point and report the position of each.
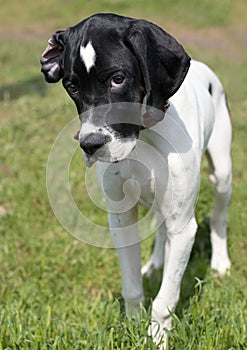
(163, 62)
(51, 59)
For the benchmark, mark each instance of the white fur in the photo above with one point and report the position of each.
(195, 122)
(88, 56)
(87, 128)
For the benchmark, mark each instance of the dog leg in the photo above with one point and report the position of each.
(220, 168)
(221, 178)
(125, 235)
(156, 261)
(178, 249)
(123, 224)
(220, 261)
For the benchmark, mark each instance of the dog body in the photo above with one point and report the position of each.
(195, 122)
(151, 158)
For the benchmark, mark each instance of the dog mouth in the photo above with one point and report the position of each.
(113, 152)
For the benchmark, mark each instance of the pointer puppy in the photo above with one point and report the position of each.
(111, 66)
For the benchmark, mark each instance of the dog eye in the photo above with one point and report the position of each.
(117, 80)
(72, 89)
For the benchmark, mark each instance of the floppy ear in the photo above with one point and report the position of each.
(163, 62)
(51, 59)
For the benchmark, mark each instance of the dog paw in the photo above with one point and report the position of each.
(147, 269)
(220, 267)
(134, 306)
(161, 324)
(158, 334)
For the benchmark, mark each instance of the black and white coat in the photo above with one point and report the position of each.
(106, 60)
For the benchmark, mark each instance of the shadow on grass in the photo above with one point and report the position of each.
(35, 85)
(197, 267)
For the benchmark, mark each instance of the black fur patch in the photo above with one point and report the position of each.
(210, 89)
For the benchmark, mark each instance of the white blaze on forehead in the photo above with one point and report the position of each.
(88, 55)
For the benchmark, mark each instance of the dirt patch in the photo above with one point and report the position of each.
(24, 33)
(228, 41)
(3, 210)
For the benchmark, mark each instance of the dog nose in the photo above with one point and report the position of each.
(93, 141)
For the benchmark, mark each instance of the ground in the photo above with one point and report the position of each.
(57, 292)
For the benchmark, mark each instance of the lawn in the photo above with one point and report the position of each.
(57, 292)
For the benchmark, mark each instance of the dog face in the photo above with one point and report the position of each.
(108, 64)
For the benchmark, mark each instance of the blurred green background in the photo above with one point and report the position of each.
(57, 292)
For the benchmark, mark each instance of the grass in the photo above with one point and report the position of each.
(59, 293)
(59, 12)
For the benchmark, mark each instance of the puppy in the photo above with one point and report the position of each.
(148, 114)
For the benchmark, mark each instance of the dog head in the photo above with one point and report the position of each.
(108, 65)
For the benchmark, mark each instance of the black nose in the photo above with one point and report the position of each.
(93, 141)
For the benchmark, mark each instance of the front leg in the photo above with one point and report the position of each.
(178, 249)
(124, 230)
(122, 197)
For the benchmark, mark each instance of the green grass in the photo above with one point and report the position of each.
(192, 13)
(57, 292)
